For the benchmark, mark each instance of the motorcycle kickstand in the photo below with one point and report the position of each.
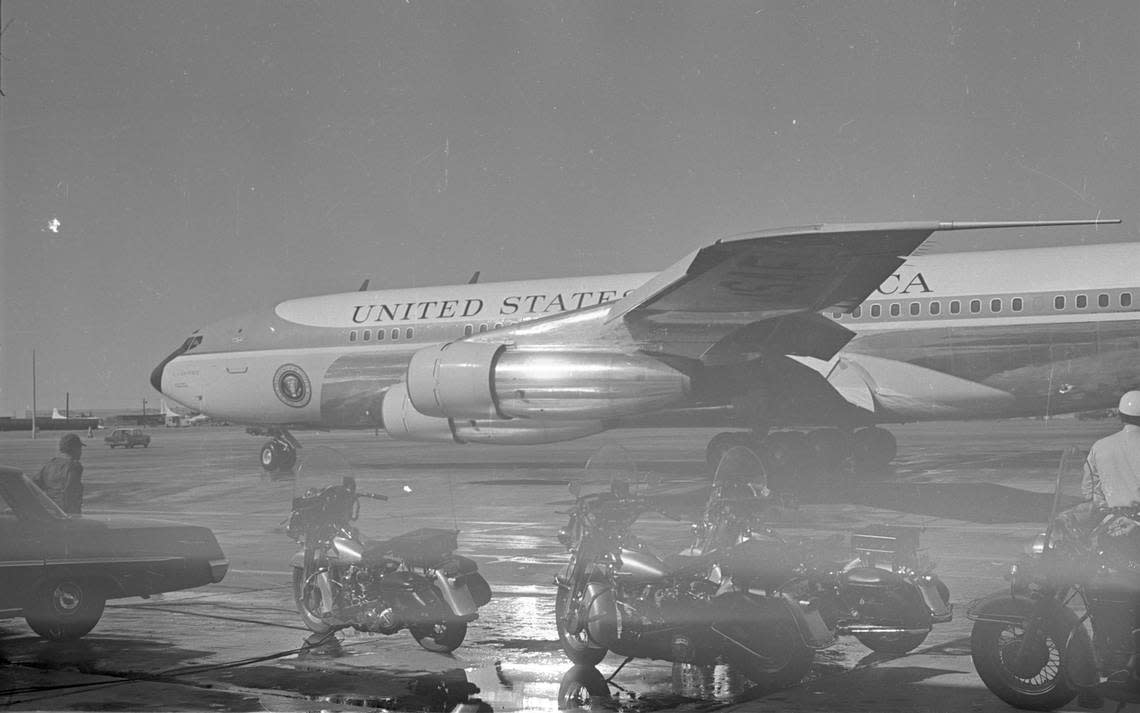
(617, 670)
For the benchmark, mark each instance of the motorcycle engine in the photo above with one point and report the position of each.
(369, 611)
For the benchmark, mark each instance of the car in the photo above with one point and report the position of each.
(59, 570)
(127, 438)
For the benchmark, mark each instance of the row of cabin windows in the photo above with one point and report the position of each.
(365, 335)
(975, 306)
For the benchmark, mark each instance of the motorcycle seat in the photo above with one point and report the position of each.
(427, 546)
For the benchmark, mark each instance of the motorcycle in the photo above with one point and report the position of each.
(616, 594)
(886, 595)
(414, 581)
(1030, 644)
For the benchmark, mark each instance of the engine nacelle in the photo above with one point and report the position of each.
(404, 423)
(472, 380)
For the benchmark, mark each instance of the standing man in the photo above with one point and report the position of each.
(1112, 470)
(62, 477)
(1112, 480)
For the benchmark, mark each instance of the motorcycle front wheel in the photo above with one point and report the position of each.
(440, 638)
(1032, 679)
(574, 639)
(308, 598)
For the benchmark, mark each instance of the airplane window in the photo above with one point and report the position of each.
(876, 310)
(857, 312)
(836, 315)
(995, 305)
(1125, 299)
(395, 334)
(935, 307)
(408, 333)
(368, 335)
(975, 306)
(482, 328)
(498, 325)
(1082, 301)
(1059, 302)
(895, 309)
(352, 336)
(1102, 300)
(379, 334)
(1015, 304)
(914, 308)
(955, 306)
(467, 329)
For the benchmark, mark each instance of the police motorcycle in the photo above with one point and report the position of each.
(886, 595)
(413, 581)
(617, 594)
(1030, 643)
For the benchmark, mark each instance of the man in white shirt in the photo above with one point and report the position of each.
(1112, 470)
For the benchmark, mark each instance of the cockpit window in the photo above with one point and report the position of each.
(193, 341)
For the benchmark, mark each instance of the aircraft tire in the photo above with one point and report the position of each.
(828, 449)
(271, 456)
(874, 449)
(783, 452)
(721, 442)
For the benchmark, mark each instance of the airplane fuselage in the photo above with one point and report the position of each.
(950, 336)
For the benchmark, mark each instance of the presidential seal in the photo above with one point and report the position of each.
(291, 385)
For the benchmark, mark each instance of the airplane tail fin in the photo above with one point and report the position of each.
(56, 415)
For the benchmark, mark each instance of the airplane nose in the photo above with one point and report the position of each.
(156, 375)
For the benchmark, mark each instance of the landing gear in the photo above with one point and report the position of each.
(797, 461)
(874, 448)
(279, 454)
(721, 442)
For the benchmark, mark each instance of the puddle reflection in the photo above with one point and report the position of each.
(446, 691)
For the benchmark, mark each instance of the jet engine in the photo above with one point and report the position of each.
(473, 380)
(404, 423)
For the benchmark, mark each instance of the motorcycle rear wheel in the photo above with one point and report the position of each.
(576, 645)
(993, 647)
(440, 638)
(308, 600)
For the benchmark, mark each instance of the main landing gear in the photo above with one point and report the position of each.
(279, 454)
(795, 460)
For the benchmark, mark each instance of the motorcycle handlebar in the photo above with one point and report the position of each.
(374, 496)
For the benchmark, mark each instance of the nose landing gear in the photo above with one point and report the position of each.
(279, 454)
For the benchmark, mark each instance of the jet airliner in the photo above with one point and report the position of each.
(833, 329)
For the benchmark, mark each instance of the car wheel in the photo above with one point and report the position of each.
(66, 608)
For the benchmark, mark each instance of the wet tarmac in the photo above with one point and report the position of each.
(981, 491)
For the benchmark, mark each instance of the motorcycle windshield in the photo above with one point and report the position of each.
(319, 467)
(610, 467)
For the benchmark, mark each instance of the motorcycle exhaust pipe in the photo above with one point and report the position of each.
(873, 629)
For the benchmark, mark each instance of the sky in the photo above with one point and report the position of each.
(166, 164)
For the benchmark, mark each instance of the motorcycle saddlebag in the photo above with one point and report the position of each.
(425, 547)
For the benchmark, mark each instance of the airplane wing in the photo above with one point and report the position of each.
(763, 292)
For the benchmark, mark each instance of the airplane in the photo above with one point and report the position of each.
(804, 339)
(170, 416)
